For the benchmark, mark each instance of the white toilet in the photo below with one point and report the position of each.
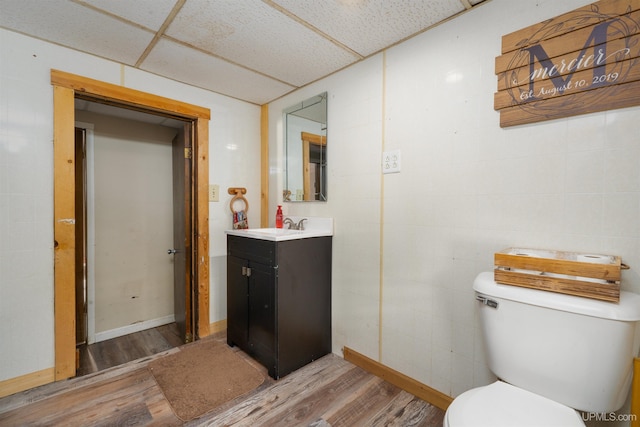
(554, 355)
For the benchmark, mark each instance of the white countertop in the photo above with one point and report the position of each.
(314, 227)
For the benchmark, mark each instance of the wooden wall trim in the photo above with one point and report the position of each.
(64, 232)
(95, 89)
(264, 166)
(26, 382)
(635, 394)
(202, 226)
(398, 379)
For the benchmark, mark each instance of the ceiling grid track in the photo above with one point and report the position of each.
(160, 32)
(312, 28)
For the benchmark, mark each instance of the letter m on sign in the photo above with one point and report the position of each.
(537, 55)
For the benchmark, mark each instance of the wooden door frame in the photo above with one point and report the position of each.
(307, 140)
(67, 87)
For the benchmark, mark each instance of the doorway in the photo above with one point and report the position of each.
(66, 88)
(128, 281)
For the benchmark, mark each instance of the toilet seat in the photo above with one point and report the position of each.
(501, 404)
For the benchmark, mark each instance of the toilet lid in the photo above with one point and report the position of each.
(501, 404)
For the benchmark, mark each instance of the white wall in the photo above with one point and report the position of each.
(407, 246)
(26, 185)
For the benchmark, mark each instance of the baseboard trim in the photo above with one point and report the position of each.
(26, 382)
(398, 379)
(135, 327)
(219, 326)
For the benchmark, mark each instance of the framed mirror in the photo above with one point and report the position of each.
(305, 150)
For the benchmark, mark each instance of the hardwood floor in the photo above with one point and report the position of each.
(117, 351)
(327, 392)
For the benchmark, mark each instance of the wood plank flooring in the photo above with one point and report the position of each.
(117, 351)
(327, 392)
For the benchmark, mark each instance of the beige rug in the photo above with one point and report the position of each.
(203, 376)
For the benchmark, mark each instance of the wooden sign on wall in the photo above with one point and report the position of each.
(583, 61)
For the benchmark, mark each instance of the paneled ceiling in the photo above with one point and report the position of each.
(253, 50)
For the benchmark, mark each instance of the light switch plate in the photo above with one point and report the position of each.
(214, 193)
(391, 161)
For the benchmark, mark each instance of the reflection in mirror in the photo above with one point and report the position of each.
(305, 146)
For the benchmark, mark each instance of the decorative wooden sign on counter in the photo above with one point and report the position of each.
(583, 61)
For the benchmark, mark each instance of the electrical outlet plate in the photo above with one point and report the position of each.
(391, 161)
(214, 193)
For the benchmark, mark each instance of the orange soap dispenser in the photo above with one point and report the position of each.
(279, 217)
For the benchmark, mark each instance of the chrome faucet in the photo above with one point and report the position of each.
(293, 225)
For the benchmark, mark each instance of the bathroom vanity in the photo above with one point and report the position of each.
(279, 296)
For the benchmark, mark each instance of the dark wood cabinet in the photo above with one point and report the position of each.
(279, 300)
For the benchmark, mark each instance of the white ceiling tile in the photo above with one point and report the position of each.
(148, 13)
(251, 33)
(372, 25)
(259, 49)
(199, 69)
(69, 24)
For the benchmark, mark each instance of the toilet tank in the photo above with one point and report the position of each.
(576, 351)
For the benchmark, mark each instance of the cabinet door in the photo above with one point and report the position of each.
(237, 302)
(262, 314)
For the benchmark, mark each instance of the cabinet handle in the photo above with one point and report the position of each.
(246, 271)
